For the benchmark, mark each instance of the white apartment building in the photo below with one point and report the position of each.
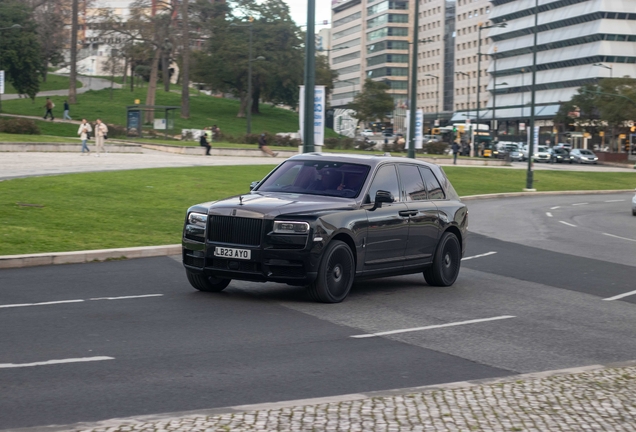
(370, 39)
(579, 42)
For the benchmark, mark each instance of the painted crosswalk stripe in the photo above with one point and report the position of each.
(54, 362)
(478, 256)
(620, 296)
(77, 301)
(460, 323)
(568, 224)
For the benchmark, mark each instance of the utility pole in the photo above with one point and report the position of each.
(413, 98)
(530, 175)
(72, 87)
(310, 78)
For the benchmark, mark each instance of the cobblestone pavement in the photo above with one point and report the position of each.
(595, 398)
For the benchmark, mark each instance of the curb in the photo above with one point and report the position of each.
(78, 257)
(119, 423)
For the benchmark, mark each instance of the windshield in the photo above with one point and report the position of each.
(586, 152)
(542, 149)
(327, 178)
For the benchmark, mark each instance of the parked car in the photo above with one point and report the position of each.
(567, 146)
(583, 156)
(634, 205)
(506, 149)
(367, 132)
(325, 220)
(561, 155)
(542, 154)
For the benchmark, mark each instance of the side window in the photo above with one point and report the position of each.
(412, 183)
(435, 191)
(386, 180)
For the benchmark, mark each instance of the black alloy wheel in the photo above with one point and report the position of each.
(207, 283)
(445, 268)
(335, 274)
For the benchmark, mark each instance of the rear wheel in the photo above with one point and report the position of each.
(207, 283)
(335, 274)
(446, 262)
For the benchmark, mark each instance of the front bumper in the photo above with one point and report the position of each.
(291, 266)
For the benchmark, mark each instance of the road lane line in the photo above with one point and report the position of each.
(568, 224)
(577, 204)
(619, 237)
(615, 200)
(620, 296)
(127, 297)
(77, 301)
(548, 214)
(475, 321)
(40, 304)
(478, 256)
(52, 362)
(555, 207)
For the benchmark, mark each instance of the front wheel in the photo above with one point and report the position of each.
(207, 283)
(335, 274)
(446, 262)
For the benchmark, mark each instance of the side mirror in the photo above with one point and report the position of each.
(254, 184)
(382, 196)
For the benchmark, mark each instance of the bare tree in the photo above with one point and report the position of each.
(185, 67)
(72, 88)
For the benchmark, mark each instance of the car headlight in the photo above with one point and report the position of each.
(198, 219)
(195, 227)
(291, 227)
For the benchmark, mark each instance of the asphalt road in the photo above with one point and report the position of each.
(145, 342)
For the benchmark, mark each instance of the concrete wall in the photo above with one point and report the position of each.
(69, 148)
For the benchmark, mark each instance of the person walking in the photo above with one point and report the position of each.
(203, 142)
(101, 133)
(262, 145)
(49, 105)
(455, 148)
(84, 132)
(67, 110)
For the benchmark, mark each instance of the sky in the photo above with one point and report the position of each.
(298, 9)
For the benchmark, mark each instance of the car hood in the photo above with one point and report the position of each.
(259, 205)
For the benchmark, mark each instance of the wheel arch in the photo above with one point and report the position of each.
(346, 238)
(455, 230)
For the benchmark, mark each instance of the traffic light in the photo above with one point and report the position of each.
(454, 129)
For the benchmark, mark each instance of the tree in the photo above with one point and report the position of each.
(51, 17)
(324, 74)
(185, 64)
(20, 55)
(113, 66)
(72, 89)
(373, 102)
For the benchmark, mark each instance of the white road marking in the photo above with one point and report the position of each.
(548, 214)
(77, 301)
(478, 256)
(620, 296)
(619, 237)
(555, 207)
(40, 304)
(577, 204)
(475, 321)
(568, 224)
(127, 297)
(615, 200)
(52, 362)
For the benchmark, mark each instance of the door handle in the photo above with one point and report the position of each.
(405, 213)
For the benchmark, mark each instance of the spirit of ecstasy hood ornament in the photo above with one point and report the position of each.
(241, 200)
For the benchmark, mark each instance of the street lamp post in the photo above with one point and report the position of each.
(470, 129)
(310, 77)
(436, 96)
(413, 98)
(611, 69)
(14, 26)
(530, 175)
(482, 27)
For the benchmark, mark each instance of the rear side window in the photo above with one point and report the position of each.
(435, 191)
(412, 182)
(386, 180)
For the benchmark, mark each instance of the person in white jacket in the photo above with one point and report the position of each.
(101, 131)
(84, 132)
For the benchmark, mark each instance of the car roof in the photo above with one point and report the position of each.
(371, 160)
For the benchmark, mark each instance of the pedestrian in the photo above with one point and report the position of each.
(262, 145)
(49, 105)
(455, 148)
(67, 109)
(101, 134)
(84, 132)
(208, 134)
(203, 142)
(216, 132)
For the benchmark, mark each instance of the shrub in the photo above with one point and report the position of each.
(436, 147)
(116, 131)
(342, 143)
(19, 126)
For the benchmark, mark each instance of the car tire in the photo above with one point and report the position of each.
(206, 283)
(633, 212)
(335, 274)
(446, 262)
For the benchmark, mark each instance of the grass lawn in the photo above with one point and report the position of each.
(53, 82)
(205, 111)
(147, 207)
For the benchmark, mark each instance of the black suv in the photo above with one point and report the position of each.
(323, 220)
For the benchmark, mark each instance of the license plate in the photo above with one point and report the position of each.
(243, 254)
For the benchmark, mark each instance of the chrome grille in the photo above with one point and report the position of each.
(235, 230)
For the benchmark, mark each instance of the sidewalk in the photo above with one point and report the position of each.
(595, 398)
